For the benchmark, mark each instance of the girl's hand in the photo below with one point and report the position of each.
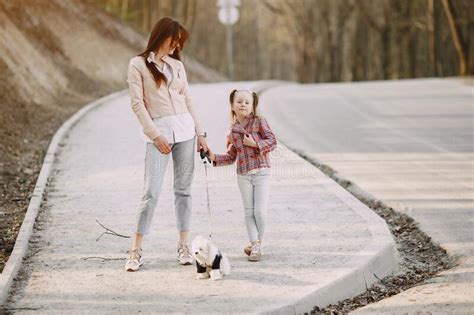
(249, 141)
(162, 144)
(211, 154)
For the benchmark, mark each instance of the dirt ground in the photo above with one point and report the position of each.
(55, 57)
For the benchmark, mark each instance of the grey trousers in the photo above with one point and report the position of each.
(254, 189)
(155, 169)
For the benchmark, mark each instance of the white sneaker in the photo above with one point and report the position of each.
(135, 260)
(256, 253)
(184, 256)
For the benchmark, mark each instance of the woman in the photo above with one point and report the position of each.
(161, 101)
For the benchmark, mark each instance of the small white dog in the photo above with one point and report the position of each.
(210, 262)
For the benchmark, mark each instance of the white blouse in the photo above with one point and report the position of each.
(175, 128)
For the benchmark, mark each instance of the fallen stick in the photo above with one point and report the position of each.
(103, 258)
(110, 232)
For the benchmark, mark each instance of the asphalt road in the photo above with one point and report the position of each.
(409, 143)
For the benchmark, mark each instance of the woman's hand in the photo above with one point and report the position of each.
(202, 144)
(162, 144)
(249, 141)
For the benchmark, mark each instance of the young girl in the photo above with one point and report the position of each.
(249, 142)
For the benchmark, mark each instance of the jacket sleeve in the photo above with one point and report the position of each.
(267, 141)
(135, 87)
(227, 158)
(189, 102)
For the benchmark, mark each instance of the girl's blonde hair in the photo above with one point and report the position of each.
(254, 104)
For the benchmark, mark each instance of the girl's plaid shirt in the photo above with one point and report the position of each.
(248, 158)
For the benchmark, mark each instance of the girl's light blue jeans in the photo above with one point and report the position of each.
(254, 189)
(155, 169)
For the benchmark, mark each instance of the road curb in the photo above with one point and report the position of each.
(21, 244)
(381, 260)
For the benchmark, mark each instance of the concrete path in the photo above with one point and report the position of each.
(409, 143)
(322, 244)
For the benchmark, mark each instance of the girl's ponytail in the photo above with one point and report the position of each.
(255, 103)
(232, 94)
(231, 99)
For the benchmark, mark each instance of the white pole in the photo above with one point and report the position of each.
(229, 15)
(230, 51)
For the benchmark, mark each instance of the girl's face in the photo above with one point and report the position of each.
(242, 105)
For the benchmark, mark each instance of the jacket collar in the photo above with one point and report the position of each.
(240, 127)
(152, 58)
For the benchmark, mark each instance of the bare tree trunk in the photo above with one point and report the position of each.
(151, 10)
(431, 37)
(124, 9)
(174, 8)
(456, 38)
(346, 33)
(145, 16)
(186, 12)
(192, 14)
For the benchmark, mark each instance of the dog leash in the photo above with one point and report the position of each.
(207, 163)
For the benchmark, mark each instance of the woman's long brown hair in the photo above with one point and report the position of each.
(163, 29)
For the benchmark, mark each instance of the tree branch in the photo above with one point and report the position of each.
(272, 8)
(110, 232)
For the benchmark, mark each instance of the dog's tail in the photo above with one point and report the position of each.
(225, 265)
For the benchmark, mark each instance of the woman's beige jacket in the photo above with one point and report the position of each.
(148, 101)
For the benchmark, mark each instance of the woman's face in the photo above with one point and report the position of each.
(169, 45)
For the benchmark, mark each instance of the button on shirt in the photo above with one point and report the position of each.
(175, 128)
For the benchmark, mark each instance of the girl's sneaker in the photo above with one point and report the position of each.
(255, 253)
(248, 249)
(135, 260)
